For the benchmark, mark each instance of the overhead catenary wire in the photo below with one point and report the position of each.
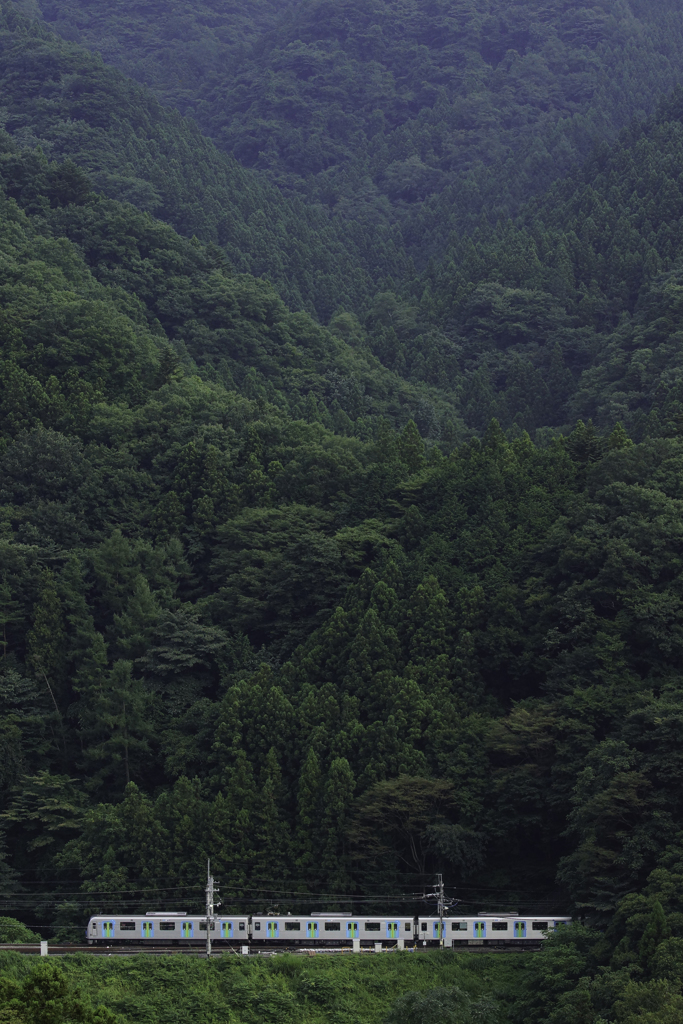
(177, 897)
(257, 892)
(241, 894)
(131, 905)
(144, 885)
(251, 899)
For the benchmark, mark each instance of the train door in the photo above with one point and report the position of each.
(438, 933)
(392, 929)
(108, 929)
(480, 929)
(520, 929)
(187, 929)
(352, 929)
(226, 929)
(312, 930)
(272, 929)
(148, 929)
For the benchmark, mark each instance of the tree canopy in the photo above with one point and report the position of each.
(341, 452)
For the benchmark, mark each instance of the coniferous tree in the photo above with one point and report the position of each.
(119, 729)
(412, 447)
(309, 809)
(656, 930)
(337, 809)
(45, 641)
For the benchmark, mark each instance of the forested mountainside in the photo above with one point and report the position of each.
(237, 603)
(60, 97)
(572, 311)
(424, 115)
(151, 397)
(520, 322)
(343, 601)
(172, 50)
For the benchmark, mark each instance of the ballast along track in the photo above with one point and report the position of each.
(32, 949)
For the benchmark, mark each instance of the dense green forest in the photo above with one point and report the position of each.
(404, 989)
(571, 311)
(61, 98)
(421, 115)
(519, 321)
(574, 977)
(340, 526)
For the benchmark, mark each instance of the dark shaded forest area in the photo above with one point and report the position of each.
(341, 462)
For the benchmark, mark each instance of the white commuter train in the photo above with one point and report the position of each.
(176, 928)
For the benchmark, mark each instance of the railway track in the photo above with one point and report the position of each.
(69, 950)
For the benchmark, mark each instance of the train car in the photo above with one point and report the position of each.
(332, 929)
(486, 929)
(159, 928)
(169, 928)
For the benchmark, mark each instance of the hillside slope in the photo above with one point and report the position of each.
(387, 112)
(247, 613)
(161, 413)
(233, 593)
(57, 95)
(573, 310)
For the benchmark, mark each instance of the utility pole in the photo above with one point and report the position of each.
(211, 889)
(440, 897)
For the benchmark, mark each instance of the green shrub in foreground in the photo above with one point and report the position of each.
(12, 930)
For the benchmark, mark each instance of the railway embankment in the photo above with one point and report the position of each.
(301, 989)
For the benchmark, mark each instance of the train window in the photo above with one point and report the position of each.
(408, 926)
(539, 926)
(167, 926)
(202, 926)
(372, 926)
(127, 926)
(292, 926)
(459, 926)
(257, 926)
(332, 926)
(499, 926)
(242, 926)
(423, 926)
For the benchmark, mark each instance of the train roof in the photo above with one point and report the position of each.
(329, 913)
(165, 913)
(494, 917)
